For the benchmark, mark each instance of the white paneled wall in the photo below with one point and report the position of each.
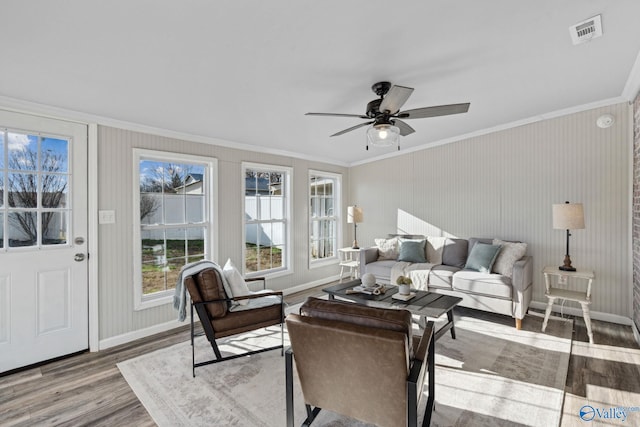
(503, 185)
(116, 305)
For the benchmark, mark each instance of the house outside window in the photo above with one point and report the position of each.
(173, 220)
(324, 216)
(267, 219)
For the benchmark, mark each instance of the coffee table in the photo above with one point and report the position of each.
(425, 304)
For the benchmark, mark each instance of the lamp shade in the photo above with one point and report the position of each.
(568, 216)
(354, 215)
(383, 135)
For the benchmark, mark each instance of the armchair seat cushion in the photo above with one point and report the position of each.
(248, 320)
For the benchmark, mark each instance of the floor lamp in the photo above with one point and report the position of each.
(354, 216)
(568, 216)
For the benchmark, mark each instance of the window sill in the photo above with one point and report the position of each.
(162, 298)
(323, 262)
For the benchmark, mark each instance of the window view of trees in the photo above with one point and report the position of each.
(173, 220)
(36, 177)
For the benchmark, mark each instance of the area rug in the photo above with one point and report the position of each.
(490, 375)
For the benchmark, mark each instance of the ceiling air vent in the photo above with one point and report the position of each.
(586, 30)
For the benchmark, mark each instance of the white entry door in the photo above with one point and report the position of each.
(43, 233)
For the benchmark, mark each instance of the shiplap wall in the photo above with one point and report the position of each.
(503, 184)
(115, 157)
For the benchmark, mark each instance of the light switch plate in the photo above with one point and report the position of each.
(106, 217)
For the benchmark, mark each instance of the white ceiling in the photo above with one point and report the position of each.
(246, 71)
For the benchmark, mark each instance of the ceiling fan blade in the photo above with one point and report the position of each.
(395, 99)
(337, 115)
(352, 128)
(439, 110)
(405, 129)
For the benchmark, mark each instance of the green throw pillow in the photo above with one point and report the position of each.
(482, 257)
(412, 251)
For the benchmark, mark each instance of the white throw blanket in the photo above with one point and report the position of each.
(180, 295)
(398, 270)
(419, 275)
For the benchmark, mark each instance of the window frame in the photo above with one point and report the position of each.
(287, 267)
(337, 217)
(210, 187)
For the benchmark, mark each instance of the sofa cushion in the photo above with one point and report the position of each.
(493, 285)
(387, 248)
(508, 255)
(482, 257)
(441, 276)
(412, 251)
(455, 252)
(435, 247)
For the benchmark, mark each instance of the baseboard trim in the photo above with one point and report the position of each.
(163, 327)
(140, 333)
(310, 285)
(577, 311)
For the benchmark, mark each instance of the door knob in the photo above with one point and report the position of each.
(79, 257)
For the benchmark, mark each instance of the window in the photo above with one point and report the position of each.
(266, 218)
(34, 190)
(173, 220)
(324, 215)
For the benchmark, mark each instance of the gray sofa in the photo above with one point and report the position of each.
(445, 273)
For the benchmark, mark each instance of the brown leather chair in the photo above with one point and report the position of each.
(361, 362)
(211, 303)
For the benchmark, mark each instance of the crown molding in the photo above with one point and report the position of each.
(632, 87)
(28, 107)
(505, 126)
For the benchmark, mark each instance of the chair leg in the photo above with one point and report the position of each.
(289, 385)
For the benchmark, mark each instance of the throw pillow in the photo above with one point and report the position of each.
(412, 251)
(238, 286)
(387, 248)
(482, 257)
(509, 254)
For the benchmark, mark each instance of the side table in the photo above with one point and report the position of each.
(553, 292)
(349, 258)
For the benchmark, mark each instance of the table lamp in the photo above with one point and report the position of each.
(354, 216)
(568, 216)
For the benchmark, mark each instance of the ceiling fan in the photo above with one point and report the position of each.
(385, 114)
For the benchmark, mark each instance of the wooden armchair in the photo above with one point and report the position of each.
(211, 303)
(361, 362)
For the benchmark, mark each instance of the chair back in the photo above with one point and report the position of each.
(352, 359)
(207, 286)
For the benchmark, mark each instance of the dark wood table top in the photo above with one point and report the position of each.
(425, 303)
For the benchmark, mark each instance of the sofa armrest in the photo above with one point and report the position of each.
(522, 276)
(367, 255)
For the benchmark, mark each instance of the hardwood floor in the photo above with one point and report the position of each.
(87, 389)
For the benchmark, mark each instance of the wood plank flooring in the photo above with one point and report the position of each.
(87, 389)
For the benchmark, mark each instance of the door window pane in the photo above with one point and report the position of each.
(23, 229)
(23, 151)
(54, 191)
(23, 190)
(54, 155)
(54, 228)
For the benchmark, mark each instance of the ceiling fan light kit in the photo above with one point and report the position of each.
(386, 126)
(383, 135)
